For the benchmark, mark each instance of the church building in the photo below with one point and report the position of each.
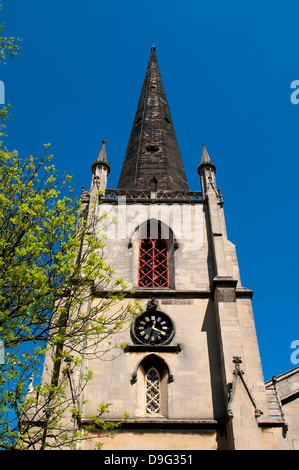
(190, 375)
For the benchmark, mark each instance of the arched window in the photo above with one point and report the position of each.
(153, 262)
(152, 392)
(152, 378)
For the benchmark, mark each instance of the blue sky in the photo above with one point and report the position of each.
(227, 68)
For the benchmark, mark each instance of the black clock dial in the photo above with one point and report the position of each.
(153, 328)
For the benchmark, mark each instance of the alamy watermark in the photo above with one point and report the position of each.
(295, 354)
(294, 96)
(177, 221)
(2, 93)
(2, 353)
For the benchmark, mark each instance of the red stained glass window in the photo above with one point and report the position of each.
(153, 263)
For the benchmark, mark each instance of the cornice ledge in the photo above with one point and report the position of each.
(224, 281)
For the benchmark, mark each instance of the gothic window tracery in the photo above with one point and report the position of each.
(152, 392)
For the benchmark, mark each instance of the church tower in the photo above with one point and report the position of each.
(190, 375)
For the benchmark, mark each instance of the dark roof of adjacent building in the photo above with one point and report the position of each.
(153, 150)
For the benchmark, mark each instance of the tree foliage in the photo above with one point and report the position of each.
(9, 45)
(51, 270)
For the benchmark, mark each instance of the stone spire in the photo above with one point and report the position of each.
(102, 157)
(206, 171)
(205, 158)
(153, 150)
(100, 170)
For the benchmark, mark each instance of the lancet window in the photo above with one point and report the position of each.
(153, 262)
(152, 392)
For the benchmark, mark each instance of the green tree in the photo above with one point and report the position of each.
(9, 45)
(51, 268)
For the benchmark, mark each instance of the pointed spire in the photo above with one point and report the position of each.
(102, 157)
(100, 170)
(206, 171)
(30, 387)
(205, 158)
(153, 149)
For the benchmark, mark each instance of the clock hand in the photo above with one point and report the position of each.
(162, 332)
(151, 333)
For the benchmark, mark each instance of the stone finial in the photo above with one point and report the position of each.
(102, 158)
(205, 158)
(102, 155)
(237, 361)
(153, 184)
(30, 387)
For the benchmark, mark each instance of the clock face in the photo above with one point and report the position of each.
(153, 328)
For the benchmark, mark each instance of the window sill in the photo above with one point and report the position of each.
(153, 348)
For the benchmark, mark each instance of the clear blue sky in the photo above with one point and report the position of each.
(227, 69)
